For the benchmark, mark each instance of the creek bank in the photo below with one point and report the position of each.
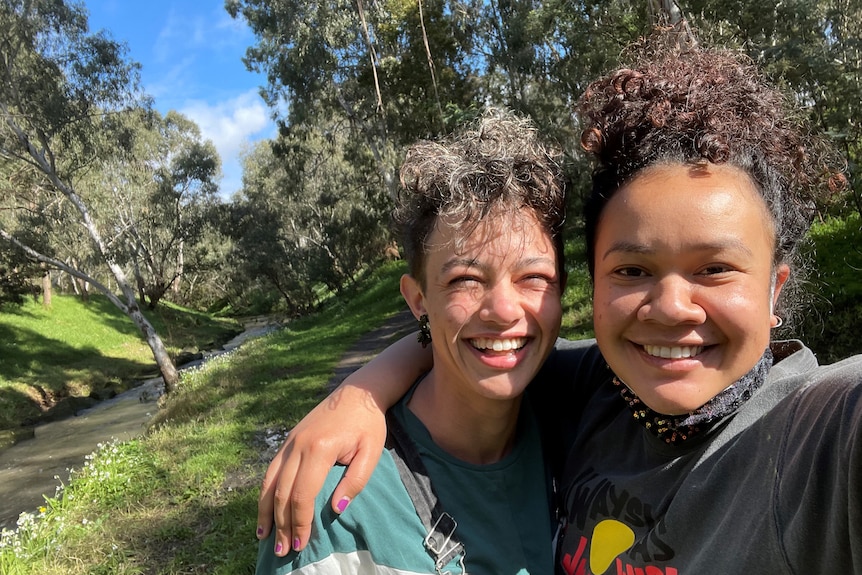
(59, 407)
(34, 467)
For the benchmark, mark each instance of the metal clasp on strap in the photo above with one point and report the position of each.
(440, 543)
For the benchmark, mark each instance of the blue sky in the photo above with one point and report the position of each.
(190, 52)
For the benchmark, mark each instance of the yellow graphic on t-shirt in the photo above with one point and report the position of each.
(610, 538)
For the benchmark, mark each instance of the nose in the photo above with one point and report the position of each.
(671, 301)
(501, 305)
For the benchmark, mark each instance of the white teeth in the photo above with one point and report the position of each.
(673, 352)
(499, 344)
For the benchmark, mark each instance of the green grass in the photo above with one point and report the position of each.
(578, 298)
(50, 356)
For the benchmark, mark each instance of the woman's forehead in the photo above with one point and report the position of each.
(496, 233)
(694, 188)
(677, 205)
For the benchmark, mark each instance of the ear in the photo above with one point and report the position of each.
(782, 272)
(412, 293)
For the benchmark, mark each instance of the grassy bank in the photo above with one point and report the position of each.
(182, 499)
(56, 361)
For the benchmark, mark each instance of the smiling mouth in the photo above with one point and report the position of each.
(498, 345)
(676, 352)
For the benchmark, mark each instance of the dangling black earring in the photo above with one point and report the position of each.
(424, 330)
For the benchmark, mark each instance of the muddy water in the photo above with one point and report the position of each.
(34, 468)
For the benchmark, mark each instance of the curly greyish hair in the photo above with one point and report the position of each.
(497, 166)
(698, 105)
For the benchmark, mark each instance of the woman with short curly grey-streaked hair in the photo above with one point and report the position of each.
(479, 214)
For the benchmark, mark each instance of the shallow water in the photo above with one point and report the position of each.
(34, 468)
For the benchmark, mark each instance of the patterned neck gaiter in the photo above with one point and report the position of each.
(675, 429)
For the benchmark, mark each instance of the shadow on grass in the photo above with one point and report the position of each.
(60, 377)
(213, 537)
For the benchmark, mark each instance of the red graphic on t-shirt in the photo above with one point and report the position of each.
(577, 564)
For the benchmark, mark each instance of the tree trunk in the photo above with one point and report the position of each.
(166, 366)
(668, 13)
(46, 289)
(176, 284)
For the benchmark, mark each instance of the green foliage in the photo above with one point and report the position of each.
(16, 278)
(303, 220)
(814, 49)
(830, 329)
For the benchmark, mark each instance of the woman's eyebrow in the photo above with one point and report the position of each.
(726, 244)
(462, 262)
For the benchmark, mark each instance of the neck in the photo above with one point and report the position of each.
(475, 429)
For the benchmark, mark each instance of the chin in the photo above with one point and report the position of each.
(673, 403)
(504, 390)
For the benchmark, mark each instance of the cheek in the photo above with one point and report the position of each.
(550, 311)
(459, 309)
(746, 308)
(611, 305)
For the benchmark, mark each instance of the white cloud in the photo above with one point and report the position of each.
(195, 67)
(231, 125)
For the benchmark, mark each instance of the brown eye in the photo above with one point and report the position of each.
(630, 272)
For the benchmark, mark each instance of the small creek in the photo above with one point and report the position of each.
(30, 468)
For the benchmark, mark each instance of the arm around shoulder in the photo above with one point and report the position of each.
(347, 427)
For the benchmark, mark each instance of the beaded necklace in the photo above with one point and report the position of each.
(675, 429)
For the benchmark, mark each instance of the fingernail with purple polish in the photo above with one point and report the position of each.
(342, 504)
(259, 531)
(278, 548)
(296, 543)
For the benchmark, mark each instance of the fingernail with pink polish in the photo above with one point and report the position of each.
(278, 548)
(296, 543)
(342, 504)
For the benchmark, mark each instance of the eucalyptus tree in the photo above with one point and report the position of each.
(206, 282)
(814, 46)
(62, 92)
(393, 70)
(307, 215)
(158, 196)
(266, 245)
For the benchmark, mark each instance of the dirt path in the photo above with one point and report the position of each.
(371, 344)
